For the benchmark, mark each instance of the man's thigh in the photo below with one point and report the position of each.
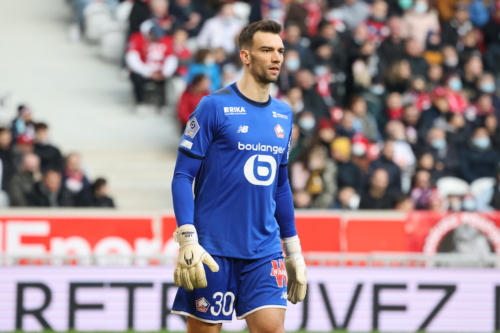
(196, 326)
(269, 320)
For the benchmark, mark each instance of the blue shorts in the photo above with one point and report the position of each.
(242, 285)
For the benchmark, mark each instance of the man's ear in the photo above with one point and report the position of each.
(245, 57)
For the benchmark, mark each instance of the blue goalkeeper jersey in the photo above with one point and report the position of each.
(243, 144)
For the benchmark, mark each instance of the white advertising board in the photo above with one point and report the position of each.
(357, 299)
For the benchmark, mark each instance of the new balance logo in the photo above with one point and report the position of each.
(242, 129)
(279, 115)
(234, 110)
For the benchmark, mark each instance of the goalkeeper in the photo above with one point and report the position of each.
(236, 145)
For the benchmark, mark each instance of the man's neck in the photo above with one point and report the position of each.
(252, 89)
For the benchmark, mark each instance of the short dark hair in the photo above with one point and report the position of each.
(245, 39)
(200, 55)
(197, 79)
(41, 126)
(99, 182)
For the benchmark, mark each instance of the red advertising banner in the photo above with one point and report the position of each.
(80, 235)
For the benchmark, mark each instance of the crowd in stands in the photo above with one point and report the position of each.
(391, 97)
(34, 173)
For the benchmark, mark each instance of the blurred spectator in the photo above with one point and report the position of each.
(486, 85)
(376, 22)
(432, 53)
(403, 154)
(181, 50)
(456, 100)
(326, 132)
(346, 126)
(100, 197)
(446, 156)
(386, 162)
(49, 192)
(150, 58)
(294, 99)
(50, 156)
(74, 180)
(418, 64)
(491, 124)
(404, 204)
(23, 123)
(472, 71)
(24, 145)
(378, 195)
(419, 21)
(221, 30)
(458, 26)
(495, 196)
(204, 63)
(479, 13)
(161, 17)
(457, 130)
(398, 76)
(347, 199)
(364, 122)
(492, 40)
(7, 158)
(421, 189)
(313, 102)
(447, 8)
(191, 97)
(348, 174)
(436, 114)
(353, 12)
(292, 41)
(288, 73)
(141, 11)
(188, 15)
(479, 159)
(328, 35)
(394, 106)
(410, 119)
(434, 75)
(22, 182)
(307, 124)
(313, 178)
(392, 49)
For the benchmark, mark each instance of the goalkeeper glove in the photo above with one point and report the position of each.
(295, 269)
(189, 271)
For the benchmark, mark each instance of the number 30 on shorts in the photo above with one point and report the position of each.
(223, 302)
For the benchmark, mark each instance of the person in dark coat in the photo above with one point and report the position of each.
(100, 197)
(458, 26)
(393, 48)
(50, 156)
(378, 195)
(7, 157)
(419, 66)
(348, 174)
(22, 182)
(49, 192)
(479, 159)
(385, 162)
(313, 102)
(140, 12)
(188, 15)
(446, 156)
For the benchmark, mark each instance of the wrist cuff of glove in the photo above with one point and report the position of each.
(186, 234)
(292, 246)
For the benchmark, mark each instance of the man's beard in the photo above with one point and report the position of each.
(262, 76)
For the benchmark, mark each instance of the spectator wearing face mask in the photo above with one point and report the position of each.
(378, 195)
(451, 61)
(479, 159)
(307, 123)
(446, 157)
(291, 65)
(204, 63)
(221, 30)
(150, 58)
(457, 102)
(347, 199)
(486, 85)
(292, 41)
(419, 21)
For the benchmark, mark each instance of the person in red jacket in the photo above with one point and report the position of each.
(191, 97)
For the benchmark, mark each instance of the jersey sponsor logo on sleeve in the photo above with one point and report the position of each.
(279, 115)
(192, 128)
(187, 144)
(278, 270)
(234, 110)
(242, 129)
(280, 132)
(202, 305)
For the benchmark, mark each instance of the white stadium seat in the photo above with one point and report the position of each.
(480, 185)
(112, 41)
(96, 15)
(452, 186)
(123, 12)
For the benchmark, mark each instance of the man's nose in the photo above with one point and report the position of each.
(277, 57)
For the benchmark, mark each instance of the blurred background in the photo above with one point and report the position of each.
(395, 155)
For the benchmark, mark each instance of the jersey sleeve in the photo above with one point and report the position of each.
(134, 42)
(200, 129)
(286, 155)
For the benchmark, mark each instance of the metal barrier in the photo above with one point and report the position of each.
(312, 258)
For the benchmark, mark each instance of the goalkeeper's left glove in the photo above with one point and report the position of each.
(295, 269)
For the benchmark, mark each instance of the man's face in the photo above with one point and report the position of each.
(5, 139)
(42, 136)
(380, 179)
(52, 181)
(266, 57)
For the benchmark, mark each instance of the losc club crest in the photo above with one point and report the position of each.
(280, 132)
(202, 305)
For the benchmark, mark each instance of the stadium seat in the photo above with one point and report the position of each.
(96, 15)
(123, 12)
(452, 186)
(112, 40)
(480, 185)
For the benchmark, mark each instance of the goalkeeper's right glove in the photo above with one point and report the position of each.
(295, 270)
(189, 271)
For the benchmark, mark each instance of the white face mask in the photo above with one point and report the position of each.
(421, 7)
(354, 201)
